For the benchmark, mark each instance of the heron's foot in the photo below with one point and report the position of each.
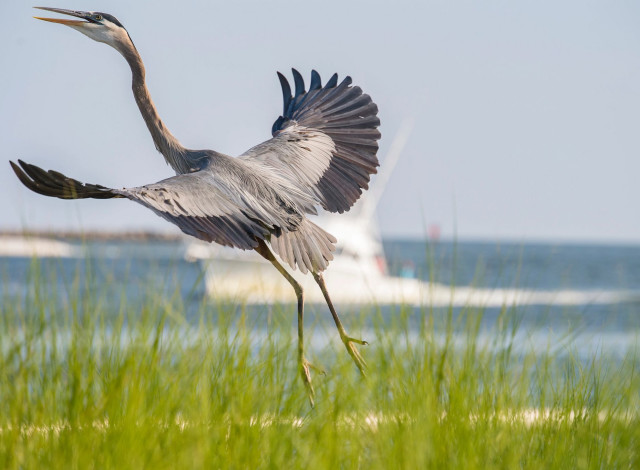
(305, 371)
(354, 353)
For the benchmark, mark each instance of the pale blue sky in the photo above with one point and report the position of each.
(527, 114)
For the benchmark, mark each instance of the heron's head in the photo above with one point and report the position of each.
(101, 27)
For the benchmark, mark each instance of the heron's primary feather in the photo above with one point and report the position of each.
(325, 142)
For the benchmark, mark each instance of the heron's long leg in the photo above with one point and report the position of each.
(346, 339)
(305, 365)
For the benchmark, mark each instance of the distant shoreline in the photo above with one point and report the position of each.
(95, 235)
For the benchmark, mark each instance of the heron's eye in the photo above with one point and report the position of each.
(98, 17)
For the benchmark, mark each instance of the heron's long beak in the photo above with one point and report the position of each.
(78, 14)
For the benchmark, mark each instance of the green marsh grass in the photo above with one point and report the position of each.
(89, 381)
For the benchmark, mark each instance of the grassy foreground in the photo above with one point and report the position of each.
(85, 386)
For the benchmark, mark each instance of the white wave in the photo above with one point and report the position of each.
(257, 284)
(12, 246)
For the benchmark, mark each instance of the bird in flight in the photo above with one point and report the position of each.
(322, 153)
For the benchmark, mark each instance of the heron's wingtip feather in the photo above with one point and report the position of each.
(333, 81)
(316, 81)
(286, 92)
(299, 82)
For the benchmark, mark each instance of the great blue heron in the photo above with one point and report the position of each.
(323, 152)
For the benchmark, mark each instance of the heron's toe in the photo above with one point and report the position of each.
(305, 372)
(354, 353)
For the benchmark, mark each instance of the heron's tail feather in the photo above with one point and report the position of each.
(54, 184)
(309, 247)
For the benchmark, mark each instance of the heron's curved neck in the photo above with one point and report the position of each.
(174, 153)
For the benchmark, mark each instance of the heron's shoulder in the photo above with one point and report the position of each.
(245, 179)
(228, 171)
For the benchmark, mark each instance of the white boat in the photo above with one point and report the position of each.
(358, 273)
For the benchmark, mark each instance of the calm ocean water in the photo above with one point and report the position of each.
(132, 269)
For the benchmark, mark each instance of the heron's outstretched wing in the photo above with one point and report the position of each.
(325, 142)
(54, 184)
(203, 209)
(196, 202)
